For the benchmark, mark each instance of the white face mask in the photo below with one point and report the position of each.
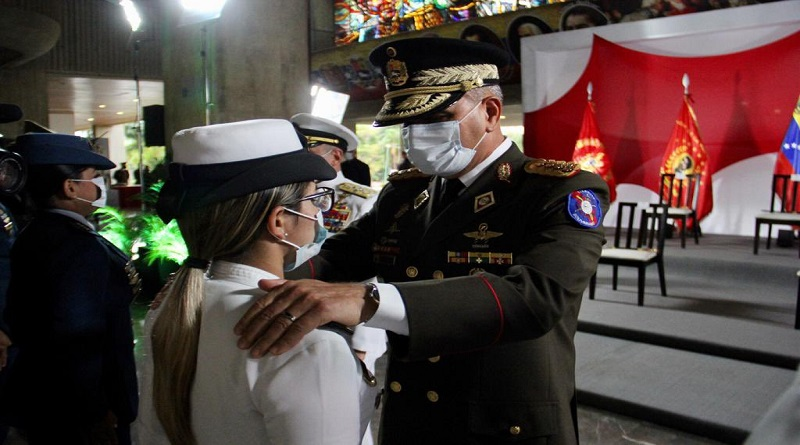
(435, 149)
(101, 184)
(310, 250)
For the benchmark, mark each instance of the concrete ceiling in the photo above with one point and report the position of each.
(107, 101)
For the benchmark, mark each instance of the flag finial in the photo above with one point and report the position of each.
(685, 82)
(589, 91)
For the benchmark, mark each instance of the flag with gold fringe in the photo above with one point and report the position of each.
(589, 151)
(686, 155)
(788, 161)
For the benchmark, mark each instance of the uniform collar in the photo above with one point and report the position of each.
(70, 214)
(470, 177)
(237, 272)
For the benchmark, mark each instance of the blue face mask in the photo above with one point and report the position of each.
(435, 149)
(310, 250)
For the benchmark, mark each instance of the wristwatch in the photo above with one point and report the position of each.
(372, 299)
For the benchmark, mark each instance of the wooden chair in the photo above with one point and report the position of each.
(624, 253)
(680, 193)
(781, 212)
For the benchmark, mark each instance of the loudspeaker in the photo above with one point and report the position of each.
(154, 125)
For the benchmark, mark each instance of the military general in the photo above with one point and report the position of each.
(483, 255)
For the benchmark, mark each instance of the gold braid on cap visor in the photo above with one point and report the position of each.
(430, 93)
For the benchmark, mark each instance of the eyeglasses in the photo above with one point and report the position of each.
(322, 199)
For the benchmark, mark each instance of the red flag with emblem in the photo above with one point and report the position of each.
(590, 153)
(687, 155)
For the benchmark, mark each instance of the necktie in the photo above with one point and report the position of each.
(449, 193)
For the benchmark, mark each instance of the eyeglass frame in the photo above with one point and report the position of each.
(321, 191)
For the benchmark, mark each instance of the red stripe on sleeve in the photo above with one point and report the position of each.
(311, 267)
(499, 308)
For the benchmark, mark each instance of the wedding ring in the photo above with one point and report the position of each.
(291, 317)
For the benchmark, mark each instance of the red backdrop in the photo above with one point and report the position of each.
(743, 102)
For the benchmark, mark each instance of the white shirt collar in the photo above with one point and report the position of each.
(469, 177)
(237, 272)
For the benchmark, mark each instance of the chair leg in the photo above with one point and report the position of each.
(696, 230)
(683, 232)
(640, 301)
(769, 235)
(614, 276)
(661, 278)
(755, 240)
(592, 283)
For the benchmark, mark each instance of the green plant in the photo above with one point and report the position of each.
(143, 231)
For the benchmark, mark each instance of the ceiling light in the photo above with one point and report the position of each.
(131, 14)
(120, 113)
(101, 106)
(91, 119)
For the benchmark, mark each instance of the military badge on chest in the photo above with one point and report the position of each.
(480, 249)
(336, 219)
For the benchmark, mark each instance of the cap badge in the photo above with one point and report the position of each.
(396, 73)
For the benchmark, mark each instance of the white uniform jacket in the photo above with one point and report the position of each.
(309, 395)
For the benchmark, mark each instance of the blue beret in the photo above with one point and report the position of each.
(59, 149)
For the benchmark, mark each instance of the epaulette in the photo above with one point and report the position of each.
(409, 173)
(357, 189)
(550, 167)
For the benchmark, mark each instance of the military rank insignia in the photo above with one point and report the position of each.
(584, 208)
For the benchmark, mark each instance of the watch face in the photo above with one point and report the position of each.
(11, 175)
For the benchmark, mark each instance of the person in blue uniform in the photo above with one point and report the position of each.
(68, 306)
(483, 253)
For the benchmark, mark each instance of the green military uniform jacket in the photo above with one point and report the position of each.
(492, 287)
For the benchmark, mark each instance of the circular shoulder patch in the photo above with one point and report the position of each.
(584, 207)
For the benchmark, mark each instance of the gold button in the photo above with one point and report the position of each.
(438, 275)
(435, 359)
(515, 430)
(433, 396)
(411, 271)
(395, 386)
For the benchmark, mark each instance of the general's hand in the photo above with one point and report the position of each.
(268, 325)
(5, 342)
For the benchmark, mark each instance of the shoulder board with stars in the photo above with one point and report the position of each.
(356, 189)
(409, 173)
(550, 167)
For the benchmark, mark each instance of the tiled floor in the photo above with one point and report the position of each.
(598, 427)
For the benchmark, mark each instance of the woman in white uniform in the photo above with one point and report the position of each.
(246, 204)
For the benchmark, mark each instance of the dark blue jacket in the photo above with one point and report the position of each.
(68, 310)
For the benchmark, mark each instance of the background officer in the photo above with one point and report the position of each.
(485, 254)
(332, 141)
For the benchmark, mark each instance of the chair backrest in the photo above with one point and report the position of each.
(679, 190)
(653, 228)
(784, 191)
(625, 219)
